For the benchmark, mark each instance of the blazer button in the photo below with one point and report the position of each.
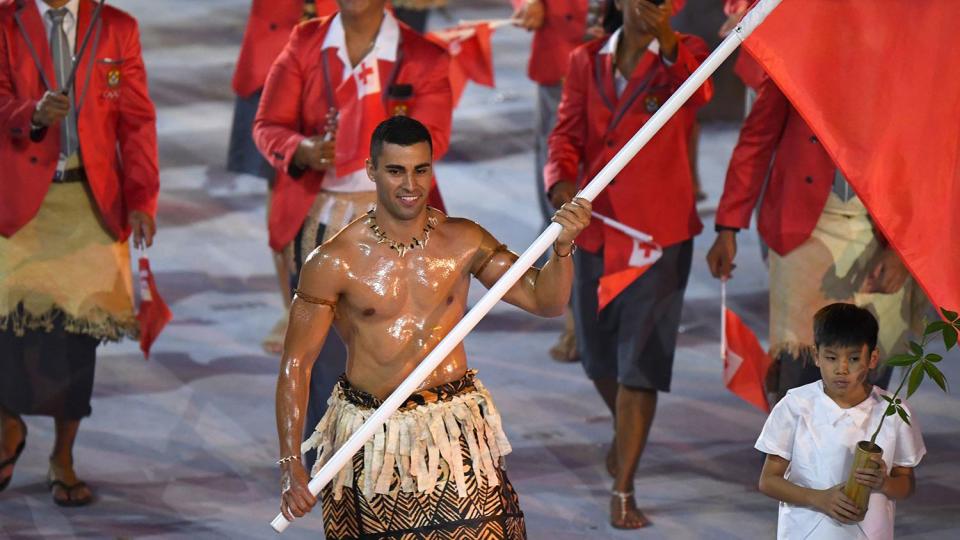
(809, 179)
(33, 159)
(568, 17)
(813, 138)
(273, 26)
(609, 143)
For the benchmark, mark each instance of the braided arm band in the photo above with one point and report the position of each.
(314, 300)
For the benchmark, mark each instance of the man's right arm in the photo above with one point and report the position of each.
(568, 139)
(311, 315)
(749, 165)
(276, 128)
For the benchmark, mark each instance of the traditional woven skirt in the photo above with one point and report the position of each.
(65, 286)
(434, 471)
(829, 267)
(330, 213)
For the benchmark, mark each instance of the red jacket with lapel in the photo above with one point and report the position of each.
(654, 192)
(800, 179)
(563, 30)
(116, 123)
(294, 106)
(268, 29)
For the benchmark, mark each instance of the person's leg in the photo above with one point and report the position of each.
(61, 464)
(635, 411)
(12, 437)
(273, 343)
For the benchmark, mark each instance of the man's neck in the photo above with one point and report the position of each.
(360, 31)
(401, 230)
(56, 4)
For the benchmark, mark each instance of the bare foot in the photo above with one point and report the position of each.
(273, 343)
(11, 445)
(624, 513)
(612, 459)
(65, 488)
(565, 350)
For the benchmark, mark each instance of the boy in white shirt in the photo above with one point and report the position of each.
(810, 436)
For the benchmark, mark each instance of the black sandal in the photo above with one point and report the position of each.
(70, 502)
(12, 462)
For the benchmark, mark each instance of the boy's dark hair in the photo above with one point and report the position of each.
(845, 325)
(612, 17)
(401, 130)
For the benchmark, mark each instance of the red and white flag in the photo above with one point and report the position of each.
(361, 110)
(628, 254)
(745, 363)
(153, 313)
(471, 54)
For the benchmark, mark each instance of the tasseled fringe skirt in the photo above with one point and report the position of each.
(434, 470)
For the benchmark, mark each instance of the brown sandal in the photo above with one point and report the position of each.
(70, 502)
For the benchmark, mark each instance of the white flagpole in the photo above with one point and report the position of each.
(625, 229)
(344, 455)
(723, 318)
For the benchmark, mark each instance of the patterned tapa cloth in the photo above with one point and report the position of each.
(64, 266)
(434, 471)
(829, 267)
(330, 213)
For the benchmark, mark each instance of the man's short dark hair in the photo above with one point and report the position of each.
(845, 325)
(400, 130)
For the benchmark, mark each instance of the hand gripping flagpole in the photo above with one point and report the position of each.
(344, 455)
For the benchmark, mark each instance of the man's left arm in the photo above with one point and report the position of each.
(16, 112)
(433, 102)
(137, 139)
(545, 291)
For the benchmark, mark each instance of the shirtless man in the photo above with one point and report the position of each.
(392, 302)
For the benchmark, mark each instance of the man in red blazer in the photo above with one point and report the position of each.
(823, 245)
(336, 79)
(268, 29)
(612, 88)
(559, 27)
(79, 174)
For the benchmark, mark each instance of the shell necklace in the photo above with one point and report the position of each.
(400, 247)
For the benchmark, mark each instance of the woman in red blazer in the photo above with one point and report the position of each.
(613, 86)
(66, 211)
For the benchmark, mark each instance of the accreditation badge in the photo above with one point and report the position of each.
(113, 78)
(652, 103)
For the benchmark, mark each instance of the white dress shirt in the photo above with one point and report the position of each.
(69, 22)
(818, 437)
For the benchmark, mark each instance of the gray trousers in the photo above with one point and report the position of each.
(548, 99)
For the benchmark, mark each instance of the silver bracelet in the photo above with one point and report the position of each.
(287, 459)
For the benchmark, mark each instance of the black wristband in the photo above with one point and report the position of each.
(719, 228)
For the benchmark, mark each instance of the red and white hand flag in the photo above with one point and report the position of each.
(153, 313)
(745, 363)
(471, 54)
(627, 256)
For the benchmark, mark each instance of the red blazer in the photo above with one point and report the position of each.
(268, 29)
(294, 106)
(654, 192)
(116, 124)
(564, 28)
(800, 180)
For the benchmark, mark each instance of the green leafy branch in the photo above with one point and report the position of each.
(919, 364)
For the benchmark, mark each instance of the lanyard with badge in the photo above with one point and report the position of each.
(38, 134)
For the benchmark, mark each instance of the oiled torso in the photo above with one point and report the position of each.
(392, 311)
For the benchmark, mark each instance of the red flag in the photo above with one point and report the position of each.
(627, 255)
(879, 83)
(153, 313)
(471, 55)
(745, 363)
